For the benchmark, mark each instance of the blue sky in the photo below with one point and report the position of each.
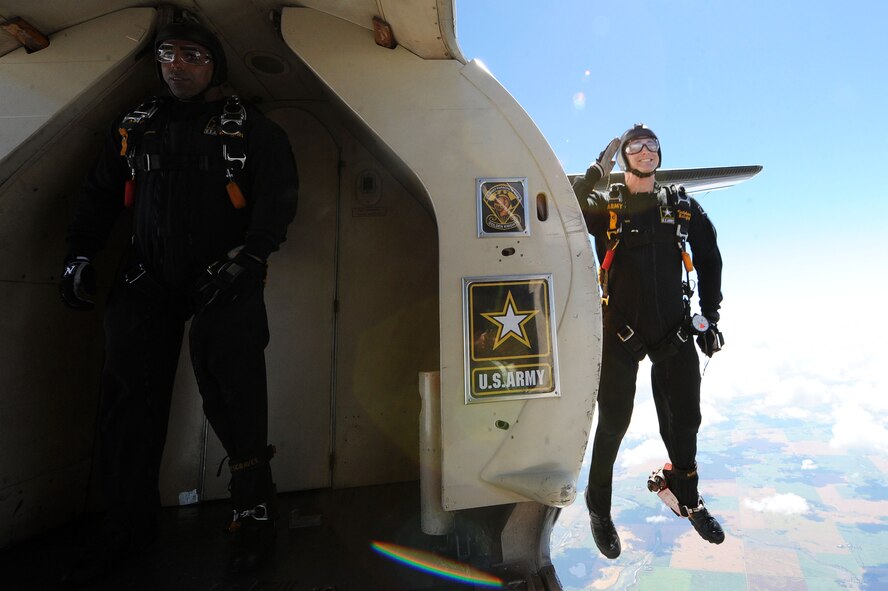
(795, 89)
(800, 88)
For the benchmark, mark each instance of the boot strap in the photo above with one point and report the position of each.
(246, 464)
(689, 511)
(258, 513)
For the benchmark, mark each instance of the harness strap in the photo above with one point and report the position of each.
(248, 463)
(231, 130)
(632, 342)
(134, 121)
(678, 198)
(635, 239)
(670, 345)
(152, 162)
(132, 126)
(615, 208)
(614, 231)
(682, 204)
(675, 209)
(138, 277)
(131, 129)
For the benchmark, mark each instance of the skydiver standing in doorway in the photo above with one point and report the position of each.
(212, 184)
(641, 231)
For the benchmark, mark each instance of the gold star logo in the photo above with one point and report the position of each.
(510, 322)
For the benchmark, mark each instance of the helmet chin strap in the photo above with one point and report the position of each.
(639, 174)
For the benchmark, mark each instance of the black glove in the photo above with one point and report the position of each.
(711, 341)
(605, 163)
(78, 284)
(229, 280)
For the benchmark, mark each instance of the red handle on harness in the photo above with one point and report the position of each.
(129, 193)
(608, 259)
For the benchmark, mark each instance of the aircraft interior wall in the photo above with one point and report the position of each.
(50, 358)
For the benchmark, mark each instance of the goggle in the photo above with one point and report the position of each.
(166, 54)
(635, 146)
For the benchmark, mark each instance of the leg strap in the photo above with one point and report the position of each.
(251, 481)
(261, 459)
(675, 486)
(683, 483)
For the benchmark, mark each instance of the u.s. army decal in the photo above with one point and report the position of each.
(510, 345)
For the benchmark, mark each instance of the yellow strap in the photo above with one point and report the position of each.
(123, 141)
(686, 257)
(235, 194)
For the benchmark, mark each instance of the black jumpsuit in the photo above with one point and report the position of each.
(645, 292)
(183, 220)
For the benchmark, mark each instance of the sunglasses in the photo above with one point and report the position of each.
(166, 54)
(635, 146)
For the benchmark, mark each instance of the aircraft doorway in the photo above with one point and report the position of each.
(352, 302)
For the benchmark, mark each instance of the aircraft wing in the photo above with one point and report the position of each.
(694, 180)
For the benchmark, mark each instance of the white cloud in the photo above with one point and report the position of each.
(792, 412)
(856, 428)
(578, 570)
(785, 504)
(799, 391)
(808, 464)
(651, 451)
(657, 519)
(579, 101)
(806, 365)
(710, 413)
(644, 424)
(864, 390)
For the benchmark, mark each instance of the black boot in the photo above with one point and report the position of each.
(684, 485)
(254, 498)
(254, 537)
(705, 524)
(604, 532)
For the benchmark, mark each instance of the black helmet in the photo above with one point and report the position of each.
(639, 130)
(192, 31)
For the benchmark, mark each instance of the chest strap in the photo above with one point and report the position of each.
(675, 209)
(154, 162)
(230, 131)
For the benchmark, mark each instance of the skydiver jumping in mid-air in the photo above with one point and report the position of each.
(641, 232)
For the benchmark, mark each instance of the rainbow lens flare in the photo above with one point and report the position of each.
(437, 565)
